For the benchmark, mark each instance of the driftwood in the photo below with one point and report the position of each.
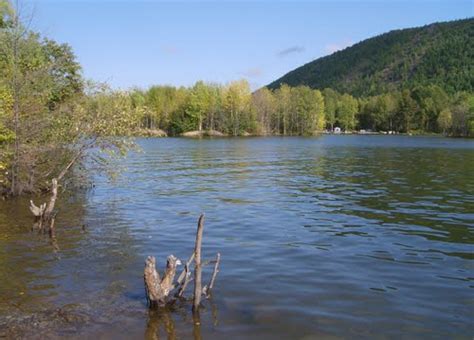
(158, 290)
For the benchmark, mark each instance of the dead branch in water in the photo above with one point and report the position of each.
(185, 271)
(186, 276)
(206, 291)
(44, 213)
(197, 262)
(158, 289)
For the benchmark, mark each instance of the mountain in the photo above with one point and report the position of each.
(439, 53)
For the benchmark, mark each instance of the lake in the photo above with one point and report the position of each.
(325, 237)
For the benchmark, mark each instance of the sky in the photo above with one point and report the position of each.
(143, 43)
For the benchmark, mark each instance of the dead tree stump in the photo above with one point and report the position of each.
(158, 290)
(44, 213)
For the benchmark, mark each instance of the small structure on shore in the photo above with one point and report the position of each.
(337, 130)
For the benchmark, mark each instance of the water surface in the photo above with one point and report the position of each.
(336, 236)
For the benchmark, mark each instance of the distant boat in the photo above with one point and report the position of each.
(337, 130)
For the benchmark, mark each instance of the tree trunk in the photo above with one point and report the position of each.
(16, 110)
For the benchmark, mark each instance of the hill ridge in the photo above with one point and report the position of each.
(440, 53)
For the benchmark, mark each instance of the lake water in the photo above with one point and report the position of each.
(329, 237)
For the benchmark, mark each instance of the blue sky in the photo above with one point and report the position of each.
(140, 43)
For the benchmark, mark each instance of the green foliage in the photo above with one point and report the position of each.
(463, 115)
(346, 112)
(65, 72)
(438, 54)
(284, 108)
(331, 98)
(445, 120)
(6, 13)
(198, 105)
(264, 105)
(233, 110)
(308, 111)
(6, 104)
(236, 102)
(47, 123)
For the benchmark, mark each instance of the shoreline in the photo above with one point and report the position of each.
(216, 134)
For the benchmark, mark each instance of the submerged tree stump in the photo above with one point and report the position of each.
(158, 290)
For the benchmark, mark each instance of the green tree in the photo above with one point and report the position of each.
(445, 120)
(237, 99)
(463, 115)
(308, 106)
(283, 111)
(431, 100)
(199, 103)
(50, 123)
(407, 108)
(346, 112)
(264, 104)
(331, 99)
(214, 115)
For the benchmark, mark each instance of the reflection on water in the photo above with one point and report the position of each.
(158, 319)
(346, 236)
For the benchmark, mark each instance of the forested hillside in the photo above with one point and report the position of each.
(439, 54)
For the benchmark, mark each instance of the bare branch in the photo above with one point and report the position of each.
(185, 270)
(197, 268)
(187, 279)
(207, 289)
(76, 158)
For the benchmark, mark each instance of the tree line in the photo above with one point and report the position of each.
(231, 109)
(234, 110)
